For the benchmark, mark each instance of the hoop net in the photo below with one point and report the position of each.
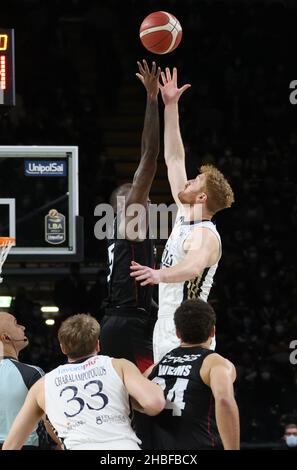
(5, 245)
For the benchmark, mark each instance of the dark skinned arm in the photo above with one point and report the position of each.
(150, 141)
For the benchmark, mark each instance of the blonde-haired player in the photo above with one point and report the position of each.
(87, 399)
(193, 250)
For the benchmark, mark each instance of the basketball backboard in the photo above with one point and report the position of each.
(39, 201)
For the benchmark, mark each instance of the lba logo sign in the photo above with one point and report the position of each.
(45, 168)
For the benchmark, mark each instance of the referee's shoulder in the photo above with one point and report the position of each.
(33, 369)
(29, 372)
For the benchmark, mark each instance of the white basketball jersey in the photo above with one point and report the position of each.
(88, 405)
(173, 294)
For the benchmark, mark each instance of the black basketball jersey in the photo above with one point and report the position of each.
(124, 291)
(188, 420)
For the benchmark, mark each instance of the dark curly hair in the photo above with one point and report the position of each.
(194, 320)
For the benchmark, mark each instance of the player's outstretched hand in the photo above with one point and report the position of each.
(144, 274)
(169, 90)
(149, 78)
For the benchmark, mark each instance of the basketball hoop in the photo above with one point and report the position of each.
(5, 245)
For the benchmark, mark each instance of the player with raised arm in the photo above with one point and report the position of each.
(126, 328)
(193, 250)
(87, 399)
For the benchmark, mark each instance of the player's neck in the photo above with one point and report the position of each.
(204, 345)
(196, 212)
(81, 359)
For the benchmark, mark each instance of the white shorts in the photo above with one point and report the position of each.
(112, 445)
(164, 338)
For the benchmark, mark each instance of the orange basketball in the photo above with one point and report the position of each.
(160, 32)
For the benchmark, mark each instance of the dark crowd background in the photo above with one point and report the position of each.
(73, 56)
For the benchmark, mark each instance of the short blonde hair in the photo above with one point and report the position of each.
(78, 335)
(219, 192)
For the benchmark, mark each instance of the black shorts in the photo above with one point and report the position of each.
(126, 333)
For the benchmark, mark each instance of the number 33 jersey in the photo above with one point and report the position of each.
(88, 405)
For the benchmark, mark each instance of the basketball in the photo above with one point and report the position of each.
(53, 213)
(160, 32)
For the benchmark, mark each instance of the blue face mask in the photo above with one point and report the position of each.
(291, 441)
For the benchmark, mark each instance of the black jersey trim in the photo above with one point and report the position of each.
(193, 222)
(202, 279)
(30, 374)
(83, 359)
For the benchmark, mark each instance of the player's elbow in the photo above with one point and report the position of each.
(193, 271)
(9, 444)
(172, 159)
(225, 402)
(154, 402)
(155, 406)
(147, 168)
